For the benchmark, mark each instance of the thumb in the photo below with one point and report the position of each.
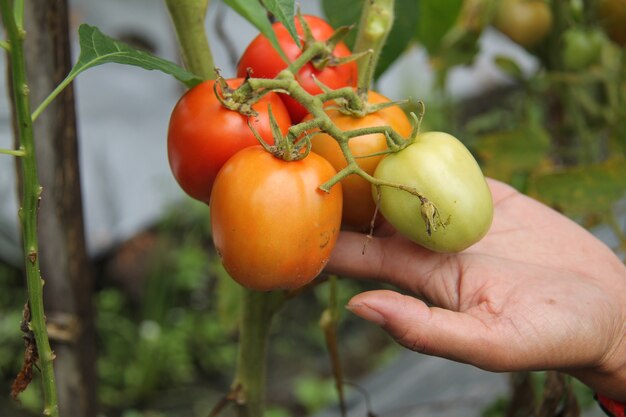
(431, 330)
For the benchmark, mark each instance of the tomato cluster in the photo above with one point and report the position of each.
(272, 225)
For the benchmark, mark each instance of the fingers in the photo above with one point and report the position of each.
(433, 331)
(394, 258)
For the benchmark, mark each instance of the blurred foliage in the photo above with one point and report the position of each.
(170, 351)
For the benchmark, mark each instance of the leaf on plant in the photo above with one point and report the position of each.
(283, 10)
(436, 18)
(253, 12)
(509, 67)
(505, 154)
(96, 48)
(344, 13)
(582, 190)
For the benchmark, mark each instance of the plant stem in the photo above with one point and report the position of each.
(374, 27)
(31, 193)
(188, 17)
(13, 152)
(59, 88)
(258, 308)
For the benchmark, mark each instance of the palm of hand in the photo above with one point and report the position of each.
(538, 292)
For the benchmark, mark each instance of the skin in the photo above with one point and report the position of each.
(538, 292)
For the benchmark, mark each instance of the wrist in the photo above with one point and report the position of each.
(609, 378)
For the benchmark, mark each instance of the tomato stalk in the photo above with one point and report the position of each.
(258, 308)
(285, 81)
(12, 152)
(374, 27)
(188, 17)
(31, 194)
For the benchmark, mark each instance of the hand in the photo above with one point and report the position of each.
(538, 292)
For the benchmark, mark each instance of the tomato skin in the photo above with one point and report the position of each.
(358, 205)
(526, 22)
(439, 166)
(203, 134)
(265, 62)
(272, 226)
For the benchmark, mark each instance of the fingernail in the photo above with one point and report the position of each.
(367, 313)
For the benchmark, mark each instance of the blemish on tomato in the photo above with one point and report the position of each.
(324, 239)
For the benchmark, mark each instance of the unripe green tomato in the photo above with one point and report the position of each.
(441, 168)
(581, 48)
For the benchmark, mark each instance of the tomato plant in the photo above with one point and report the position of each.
(272, 226)
(582, 48)
(439, 166)
(203, 134)
(265, 62)
(359, 207)
(526, 22)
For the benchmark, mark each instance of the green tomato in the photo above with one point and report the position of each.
(581, 48)
(459, 206)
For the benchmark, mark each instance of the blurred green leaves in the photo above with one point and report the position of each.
(582, 190)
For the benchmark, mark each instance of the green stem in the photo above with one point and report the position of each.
(309, 53)
(59, 88)
(188, 17)
(18, 13)
(374, 27)
(258, 308)
(5, 45)
(31, 194)
(13, 152)
(315, 106)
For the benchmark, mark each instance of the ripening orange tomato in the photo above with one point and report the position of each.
(272, 226)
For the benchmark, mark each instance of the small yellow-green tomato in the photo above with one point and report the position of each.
(458, 207)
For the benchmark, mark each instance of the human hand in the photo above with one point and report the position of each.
(538, 292)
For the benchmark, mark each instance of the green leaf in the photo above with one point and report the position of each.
(436, 18)
(348, 12)
(406, 17)
(283, 10)
(582, 190)
(253, 12)
(97, 48)
(343, 13)
(509, 67)
(503, 155)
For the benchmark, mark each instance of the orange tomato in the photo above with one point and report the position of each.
(272, 226)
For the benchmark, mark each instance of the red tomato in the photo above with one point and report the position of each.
(359, 207)
(265, 62)
(203, 134)
(272, 226)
